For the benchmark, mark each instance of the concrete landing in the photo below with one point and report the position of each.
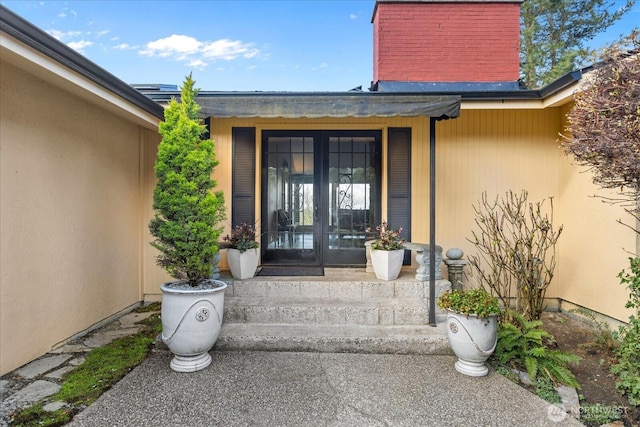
(317, 389)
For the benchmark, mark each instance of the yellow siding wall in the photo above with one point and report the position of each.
(498, 150)
(482, 150)
(70, 209)
(493, 151)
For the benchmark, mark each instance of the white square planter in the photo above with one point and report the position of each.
(387, 264)
(243, 265)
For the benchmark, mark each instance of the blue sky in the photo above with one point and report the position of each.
(303, 45)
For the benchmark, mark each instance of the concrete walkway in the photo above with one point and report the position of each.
(317, 389)
(275, 388)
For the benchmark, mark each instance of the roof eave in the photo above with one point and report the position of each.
(36, 39)
(558, 85)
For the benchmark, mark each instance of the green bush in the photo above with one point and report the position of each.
(521, 345)
(187, 210)
(627, 367)
(473, 301)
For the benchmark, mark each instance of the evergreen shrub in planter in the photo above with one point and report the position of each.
(186, 231)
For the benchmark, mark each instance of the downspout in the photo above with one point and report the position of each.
(432, 221)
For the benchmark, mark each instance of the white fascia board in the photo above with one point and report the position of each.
(504, 104)
(557, 99)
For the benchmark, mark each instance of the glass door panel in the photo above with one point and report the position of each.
(352, 197)
(289, 234)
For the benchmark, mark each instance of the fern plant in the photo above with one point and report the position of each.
(521, 343)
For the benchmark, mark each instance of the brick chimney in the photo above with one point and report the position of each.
(446, 40)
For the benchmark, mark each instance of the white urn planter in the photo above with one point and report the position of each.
(473, 340)
(243, 265)
(387, 264)
(191, 322)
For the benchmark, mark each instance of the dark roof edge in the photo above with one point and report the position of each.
(320, 104)
(32, 36)
(492, 95)
(166, 95)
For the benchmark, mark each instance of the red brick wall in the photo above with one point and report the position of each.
(446, 42)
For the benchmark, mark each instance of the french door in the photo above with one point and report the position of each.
(320, 194)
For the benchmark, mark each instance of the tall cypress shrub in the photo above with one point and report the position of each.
(187, 209)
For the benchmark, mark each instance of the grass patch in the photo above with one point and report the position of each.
(35, 415)
(601, 414)
(545, 390)
(154, 306)
(102, 368)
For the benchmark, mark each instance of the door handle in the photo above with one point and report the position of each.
(315, 212)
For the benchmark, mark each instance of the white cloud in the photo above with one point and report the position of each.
(228, 49)
(353, 16)
(195, 52)
(323, 65)
(65, 13)
(61, 35)
(124, 46)
(198, 64)
(56, 34)
(174, 45)
(79, 45)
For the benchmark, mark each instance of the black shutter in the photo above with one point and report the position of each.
(399, 183)
(207, 133)
(243, 185)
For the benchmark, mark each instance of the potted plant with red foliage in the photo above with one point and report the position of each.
(243, 254)
(387, 252)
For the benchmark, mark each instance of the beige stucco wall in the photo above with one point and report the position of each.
(70, 214)
(491, 150)
(595, 247)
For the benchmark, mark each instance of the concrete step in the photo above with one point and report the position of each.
(340, 312)
(389, 339)
(327, 311)
(327, 288)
